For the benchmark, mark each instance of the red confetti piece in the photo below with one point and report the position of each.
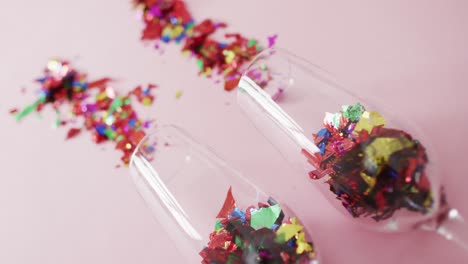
(228, 206)
(73, 132)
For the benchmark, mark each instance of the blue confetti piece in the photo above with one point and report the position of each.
(222, 45)
(393, 173)
(323, 133)
(321, 146)
(166, 38)
(239, 214)
(82, 85)
(101, 129)
(292, 242)
(174, 20)
(180, 37)
(150, 149)
(41, 80)
(132, 122)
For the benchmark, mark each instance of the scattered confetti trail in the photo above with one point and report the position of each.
(95, 105)
(170, 21)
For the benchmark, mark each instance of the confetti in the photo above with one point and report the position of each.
(258, 234)
(107, 115)
(73, 132)
(373, 170)
(179, 94)
(170, 21)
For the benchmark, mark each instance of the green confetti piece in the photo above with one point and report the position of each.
(119, 138)
(57, 122)
(190, 25)
(233, 259)
(265, 217)
(127, 101)
(218, 225)
(251, 42)
(200, 64)
(28, 109)
(115, 104)
(353, 112)
(336, 120)
(239, 242)
(110, 134)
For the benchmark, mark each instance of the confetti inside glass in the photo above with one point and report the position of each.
(376, 169)
(211, 213)
(91, 105)
(257, 234)
(373, 170)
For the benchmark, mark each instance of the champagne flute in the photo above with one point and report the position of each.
(378, 170)
(184, 184)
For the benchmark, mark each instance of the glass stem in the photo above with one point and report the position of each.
(454, 228)
(451, 225)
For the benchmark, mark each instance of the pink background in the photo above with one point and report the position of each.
(66, 203)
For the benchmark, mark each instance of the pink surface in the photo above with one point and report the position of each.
(410, 54)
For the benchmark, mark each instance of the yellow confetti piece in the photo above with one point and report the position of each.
(146, 101)
(294, 220)
(287, 231)
(382, 148)
(227, 70)
(207, 71)
(229, 56)
(177, 31)
(167, 31)
(302, 244)
(179, 94)
(368, 121)
(379, 151)
(101, 96)
(428, 201)
(369, 180)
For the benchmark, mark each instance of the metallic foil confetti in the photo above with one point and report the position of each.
(170, 21)
(107, 115)
(257, 234)
(373, 170)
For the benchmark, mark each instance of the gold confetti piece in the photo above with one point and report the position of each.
(368, 121)
(369, 180)
(179, 94)
(302, 244)
(287, 231)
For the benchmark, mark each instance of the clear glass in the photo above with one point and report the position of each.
(286, 97)
(185, 184)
